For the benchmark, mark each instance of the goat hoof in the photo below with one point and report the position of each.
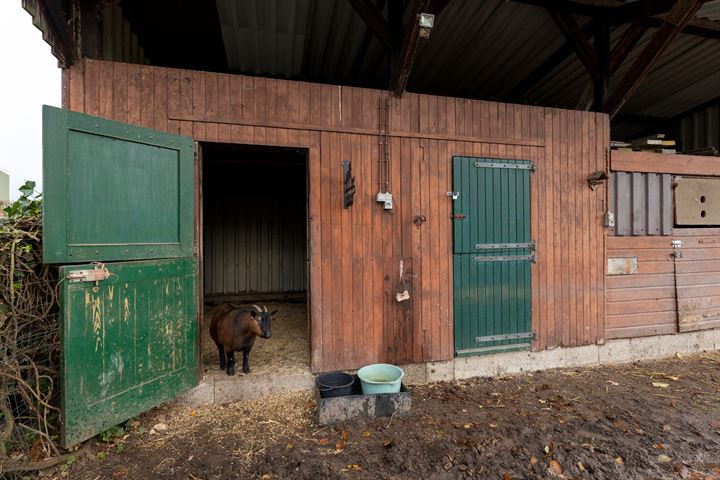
(246, 369)
(223, 366)
(231, 371)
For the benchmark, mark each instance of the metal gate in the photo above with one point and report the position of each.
(493, 253)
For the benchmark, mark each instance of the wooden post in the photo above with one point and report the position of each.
(601, 83)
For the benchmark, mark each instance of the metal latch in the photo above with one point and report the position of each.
(453, 195)
(458, 216)
(97, 274)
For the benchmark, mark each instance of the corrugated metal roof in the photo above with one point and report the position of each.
(476, 50)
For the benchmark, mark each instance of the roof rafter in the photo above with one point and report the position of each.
(374, 19)
(673, 23)
(579, 42)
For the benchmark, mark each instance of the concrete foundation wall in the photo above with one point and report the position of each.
(222, 389)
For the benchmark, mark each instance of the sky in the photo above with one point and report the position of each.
(30, 79)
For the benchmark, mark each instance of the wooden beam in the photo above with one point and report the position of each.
(627, 161)
(631, 12)
(374, 20)
(414, 38)
(601, 84)
(575, 36)
(567, 6)
(674, 22)
(559, 56)
(90, 30)
(364, 45)
(625, 45)
(59, 23)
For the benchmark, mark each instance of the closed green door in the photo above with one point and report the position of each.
(493, 254)
(121, 197)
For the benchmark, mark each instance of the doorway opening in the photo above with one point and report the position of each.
(254, 245)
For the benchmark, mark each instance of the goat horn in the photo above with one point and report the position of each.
(265, 308)
(256, 308)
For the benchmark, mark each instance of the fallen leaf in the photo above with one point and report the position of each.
(265, 476)
(506, 476)
(160, 427)
(581, 466)
(36, 450)
(540, 400)
(193, 413)
(533, 460)
(120, 473)
(613, 383)
(555, 467)
(619, 460)
(674, 378)
(673, 402)
(190, 457)
(679, 355)
(323, 441)
(468, 425)
(366, 434)
(660, 384)
(492, 425)
(290, 445)
(353, 467)
(340, 445)
(667, 428)
(681, 470)
(448, 466)
(387, 443)
(663, 458)
(547, 449)
(658, 446)
(344, 435)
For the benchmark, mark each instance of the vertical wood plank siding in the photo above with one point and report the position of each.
(354, 253)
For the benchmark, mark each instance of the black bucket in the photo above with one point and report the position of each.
(334, 384)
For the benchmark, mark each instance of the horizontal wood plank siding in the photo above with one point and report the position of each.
(355, 253)
(648, 162)
(648, 303)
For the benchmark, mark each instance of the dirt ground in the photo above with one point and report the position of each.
(287, 351)
(648, 420)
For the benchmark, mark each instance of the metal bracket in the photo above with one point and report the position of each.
(92, 275)
(506, 258)
(509, 336)
(453, 195)
(513, 166)
(489, 246)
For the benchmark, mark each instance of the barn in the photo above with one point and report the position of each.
(325, 157)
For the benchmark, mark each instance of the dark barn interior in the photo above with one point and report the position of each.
(255, 244)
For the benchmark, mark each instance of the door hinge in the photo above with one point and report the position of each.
(509, 336)
(513, 166)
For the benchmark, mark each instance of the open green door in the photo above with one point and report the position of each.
(128, 328)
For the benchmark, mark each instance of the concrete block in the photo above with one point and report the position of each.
(659, 346)
(440, 371)
(415, 373)
(704, 340)
(581, 356)
(479, 366)
(202, 394)
(251, 387)
(616, 351)
(545, 359)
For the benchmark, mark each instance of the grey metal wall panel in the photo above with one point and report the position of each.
(700, 131)
(255, 228)
(642, 203)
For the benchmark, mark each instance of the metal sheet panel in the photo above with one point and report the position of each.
(642, 203)
(128, 343)
(255, 227)
(697, 201)
(492, 246)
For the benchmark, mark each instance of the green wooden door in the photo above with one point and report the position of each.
(121, 197)
(493, 254)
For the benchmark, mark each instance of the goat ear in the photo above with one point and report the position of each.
(273, 312)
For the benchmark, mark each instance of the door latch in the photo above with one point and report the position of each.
(96, 274)
(453, 195)
(458, 216)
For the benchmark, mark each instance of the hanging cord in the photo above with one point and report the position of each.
(403, 295)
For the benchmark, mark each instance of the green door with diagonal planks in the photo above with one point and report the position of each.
(118, 211)
(492, 255)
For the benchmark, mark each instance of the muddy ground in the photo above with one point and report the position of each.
(647, 420)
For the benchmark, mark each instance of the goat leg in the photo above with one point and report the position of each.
(246, 361)
(223, 361)
(231, 363)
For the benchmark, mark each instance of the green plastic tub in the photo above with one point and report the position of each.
(380, 378)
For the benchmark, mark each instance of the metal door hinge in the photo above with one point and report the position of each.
(453, 195)
(509, 336)
(513, 166)
(506, 258)
(492, 246)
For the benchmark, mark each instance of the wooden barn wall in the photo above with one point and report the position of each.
(667, 294)
(354, 253)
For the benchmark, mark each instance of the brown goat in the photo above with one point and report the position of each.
(234, 330)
